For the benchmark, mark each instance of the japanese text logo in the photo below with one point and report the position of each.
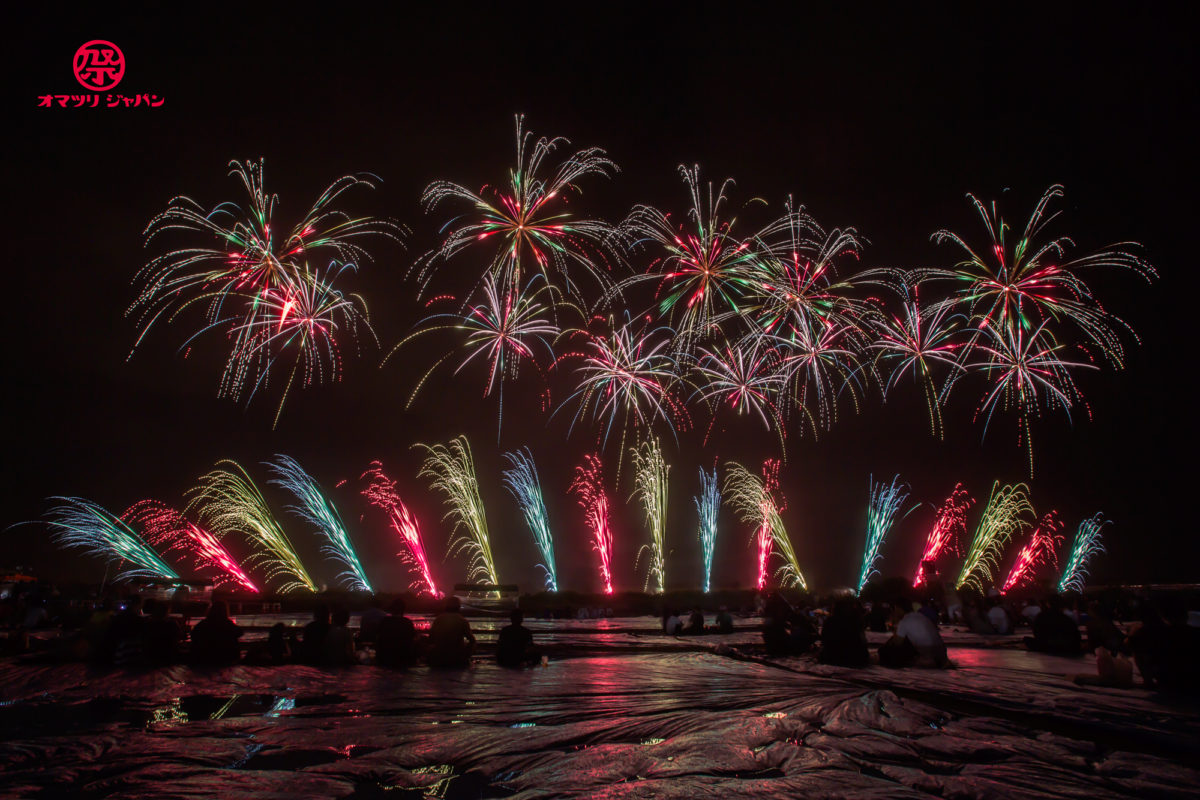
(99, 65)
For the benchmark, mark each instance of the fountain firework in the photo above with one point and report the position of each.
(589, 486)
(380, 492)
(522, 481)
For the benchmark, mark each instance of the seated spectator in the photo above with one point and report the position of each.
(215, 638)
(1102, 631)
(1030, 611)
(997, 615)
(724, 620)
(368, 624)
(396, 641)
(126, 635)
(514, 647)
(450, 639)
(695, 626)
(1055, 632)
(977, 621)
(844, 638)
(923, 634)
(338, 649)
(776, 614)
(674, 624)
(278, 647)
(312, 645)
(163, 635)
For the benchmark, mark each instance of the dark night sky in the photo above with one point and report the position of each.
(880, 120)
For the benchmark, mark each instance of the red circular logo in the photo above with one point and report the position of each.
(99, 65)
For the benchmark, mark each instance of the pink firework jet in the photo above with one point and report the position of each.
(164, 526)
(589, 486)
(765, 535)
(381, 492)
(1037, 551)
(950, 523)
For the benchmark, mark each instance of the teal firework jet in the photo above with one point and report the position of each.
(522, 481)
(83, 525)
(886, 500)
(317, 509)
(708, 503)
(1086, 544)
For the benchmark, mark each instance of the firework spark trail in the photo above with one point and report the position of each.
(589, 486)
(380, 492)
(318, 510)
(949, 526)
(708, 504)
(650, 485)
(753, 499)
(886, 501)
(162, 526)
(83, 525)
(1087, 544)
(522, 481)
(451, 470)
(1038, 550)
(227, 501)
(1005, 516)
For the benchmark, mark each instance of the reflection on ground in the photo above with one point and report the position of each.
(621, 711)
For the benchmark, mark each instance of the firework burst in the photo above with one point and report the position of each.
(949, 526)
(1034, 283)
(253, 278)
(163, 526)
(318, 510)
(522, 482)
(80, 524)
(451, 470)
(1087, 544)
(627, 376)
(1006, 515)
(589, 486)
(525, 224)
(1037, 551)
(380, 492)
(506, 329)
(886, 501)
(226, 501)
(650, 486)
(708, 504)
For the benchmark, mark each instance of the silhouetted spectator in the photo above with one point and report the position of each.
(368, 624)
(277, 644)
(1054, 631)
(514, 647)
(126, 634)
(695, 626)
(163, 634)
(450, 639)
(724, 620)
(776, 613)
(1102, 631)
(338, 649)
(997, 615)
(843, 638)
(215, 638)
(312, 645)
(396, 641)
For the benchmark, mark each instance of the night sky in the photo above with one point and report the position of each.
(877, 120)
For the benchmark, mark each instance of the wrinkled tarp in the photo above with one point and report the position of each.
(621, 711)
